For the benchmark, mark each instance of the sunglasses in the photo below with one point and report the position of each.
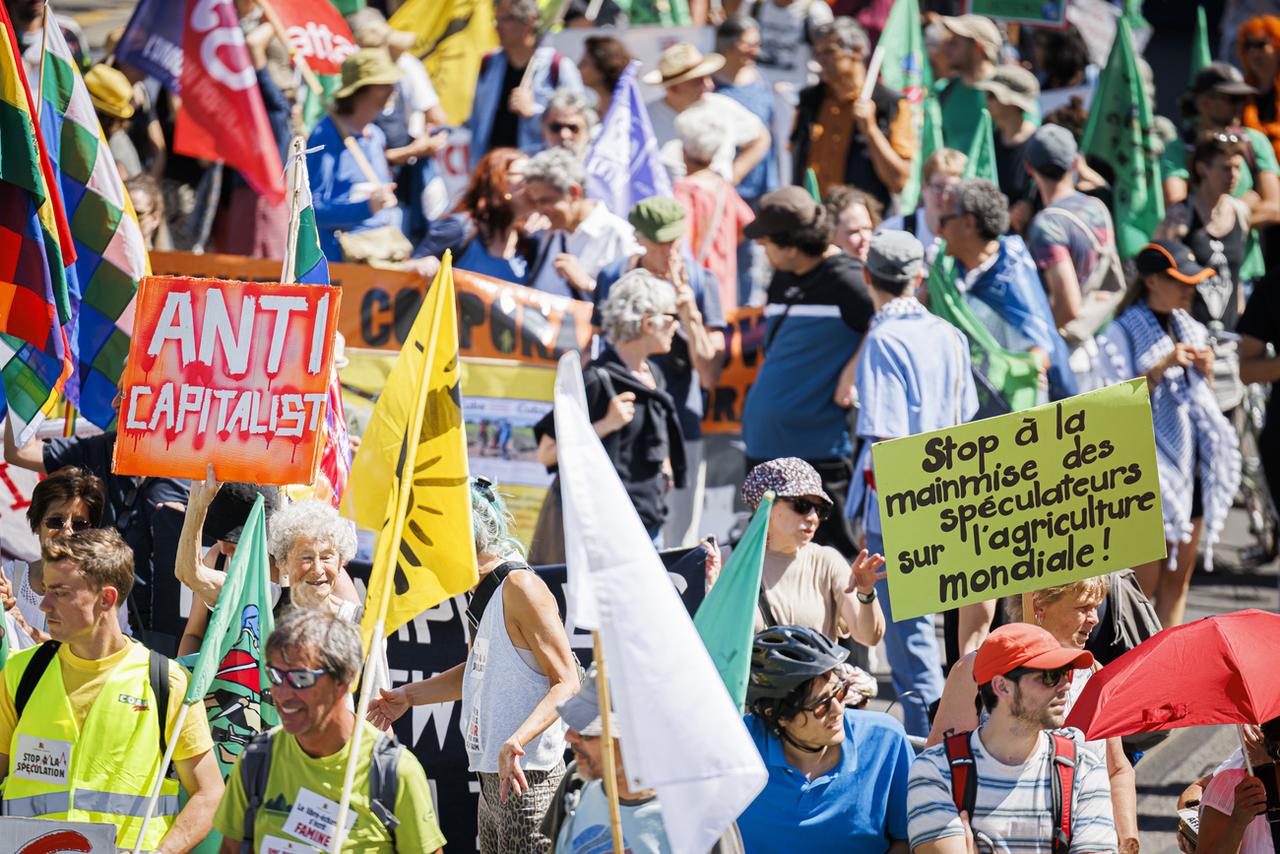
(804, 507)
(561, 127)
(1048, 678)
(60, 523)
(819, 707)
(946, 218)
(297, 679)
(1257, 45)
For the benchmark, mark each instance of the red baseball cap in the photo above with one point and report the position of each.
(1024, 645)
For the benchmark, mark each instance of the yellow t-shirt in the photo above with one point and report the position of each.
(84, 679)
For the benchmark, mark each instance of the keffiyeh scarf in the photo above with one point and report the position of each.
(1189, 426)
(898, 307)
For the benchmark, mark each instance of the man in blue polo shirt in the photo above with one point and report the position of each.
(837, 776)
(817, 313)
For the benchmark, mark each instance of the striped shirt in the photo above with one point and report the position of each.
(1014, 805)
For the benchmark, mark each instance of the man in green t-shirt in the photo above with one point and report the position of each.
(972, 51)
(294, 773)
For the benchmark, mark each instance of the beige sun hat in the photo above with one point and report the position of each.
(682, 62)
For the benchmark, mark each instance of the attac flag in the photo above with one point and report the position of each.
(982, 153)
(681, 732)
(318, 34)
(623, 166)
(1200, 53)
(111, 256)
(310, 267)
(811, 185)
(409, 480)
(905, 67)
(453, 37)
(726, 619)
(35, 248)
(196, 49)
(1121, 132)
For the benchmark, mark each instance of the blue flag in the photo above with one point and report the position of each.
(623, 166)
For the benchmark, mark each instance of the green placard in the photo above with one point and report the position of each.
(1020, 502)
(1044, 13)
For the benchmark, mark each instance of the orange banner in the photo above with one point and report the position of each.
(744, 345)
(496, 319)
(231, 373)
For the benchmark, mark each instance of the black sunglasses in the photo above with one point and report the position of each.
(560, 127)
(297, 679)
(58, 523)
(1256, 45)
(804, 507)
(822, 705)
(1048, 678)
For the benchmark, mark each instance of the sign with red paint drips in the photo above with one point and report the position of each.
(229, 373)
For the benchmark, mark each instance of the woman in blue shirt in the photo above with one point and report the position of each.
(837, 776)
(344, 198)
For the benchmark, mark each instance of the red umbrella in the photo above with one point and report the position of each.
(1219, 670)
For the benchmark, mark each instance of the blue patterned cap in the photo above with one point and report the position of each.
(788, 477)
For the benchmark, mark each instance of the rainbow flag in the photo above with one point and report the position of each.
(111, 256)
(35, 248)
(310, 267)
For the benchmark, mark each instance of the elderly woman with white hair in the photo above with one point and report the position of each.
(628, 403)
(519, 668)
(717, 214)
(584, 235)
(569, 122)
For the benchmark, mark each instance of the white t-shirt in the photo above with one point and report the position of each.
(782, 31)
(1014, 804)
(1220, 795)
(741, 125)
(601, 238)
(419, 95)
(18, 573)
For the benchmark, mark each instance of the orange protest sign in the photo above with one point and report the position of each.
(496, 319)
(744, 350)
(230, 373)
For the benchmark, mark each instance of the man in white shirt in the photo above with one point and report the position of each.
(685, 74)
(786, 31)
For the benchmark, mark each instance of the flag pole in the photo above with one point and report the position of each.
(403, 490)
(873, 71)
(164, 767)
(606, 744)
(296, 148)
(44, 47)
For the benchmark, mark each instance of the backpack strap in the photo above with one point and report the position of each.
(384, 781)
(964, 773)
(255, 767)
(158, 676)
(31, 676)
(1062, 781)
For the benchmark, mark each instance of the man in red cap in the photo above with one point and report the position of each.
(1019, 783)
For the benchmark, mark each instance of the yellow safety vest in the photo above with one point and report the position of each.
(112, 761)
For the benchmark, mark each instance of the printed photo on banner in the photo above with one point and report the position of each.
(1044, 13)
(1033, 499)
(230, 373)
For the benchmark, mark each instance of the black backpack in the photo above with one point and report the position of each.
(255, 768)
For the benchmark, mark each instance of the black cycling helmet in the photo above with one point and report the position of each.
(785, 657)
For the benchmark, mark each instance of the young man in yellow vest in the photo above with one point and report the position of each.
(84, 718)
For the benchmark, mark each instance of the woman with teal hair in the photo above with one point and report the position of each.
(519, 667)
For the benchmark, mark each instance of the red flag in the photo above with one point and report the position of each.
(222, 115)
(318, 34)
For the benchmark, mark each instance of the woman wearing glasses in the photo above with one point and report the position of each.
(1258, 45)
(1068, 612)
(519, 668)
(68, 501)
(837, 773)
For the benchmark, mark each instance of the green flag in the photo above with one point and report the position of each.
(811, 185)
(1121, 132)
(726, 618)
(1200, 53)
(982, 153)
(905, 67)
(229, 676)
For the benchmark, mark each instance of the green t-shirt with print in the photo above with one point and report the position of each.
(292, 771)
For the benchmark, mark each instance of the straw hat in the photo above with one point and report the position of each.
(110, 91)
(368, 66)
(682, 62)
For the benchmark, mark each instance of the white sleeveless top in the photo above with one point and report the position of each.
(499, 691)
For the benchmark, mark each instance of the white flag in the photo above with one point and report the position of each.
(681, 733)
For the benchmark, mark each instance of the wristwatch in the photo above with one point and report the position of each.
(866, 598)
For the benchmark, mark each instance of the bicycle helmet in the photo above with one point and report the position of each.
(786, 657)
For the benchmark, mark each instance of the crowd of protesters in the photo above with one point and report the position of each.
(852, 355)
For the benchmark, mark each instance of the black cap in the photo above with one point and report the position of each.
(1173, 259)
(1221, 78)
(782, 211)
